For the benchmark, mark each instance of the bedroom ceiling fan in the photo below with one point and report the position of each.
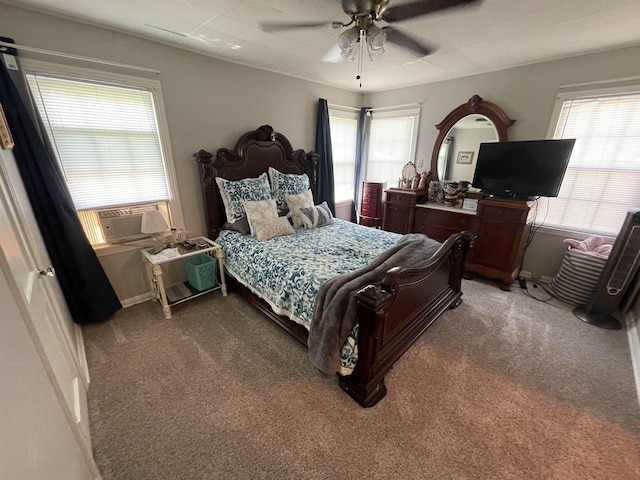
(363, 29)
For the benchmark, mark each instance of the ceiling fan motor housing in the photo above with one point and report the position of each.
(362, 8)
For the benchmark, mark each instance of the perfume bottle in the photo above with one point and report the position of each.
(173, 239)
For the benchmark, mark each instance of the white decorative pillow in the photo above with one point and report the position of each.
(317, 216)
(286, 184)
(259, 210)
(234, 192)
(301, 200)
(275, 227)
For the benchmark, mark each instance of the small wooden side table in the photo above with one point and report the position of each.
(155, 263)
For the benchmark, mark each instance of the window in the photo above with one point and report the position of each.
(344, 130)
(602, 181)
(392, 143)
(108, 139)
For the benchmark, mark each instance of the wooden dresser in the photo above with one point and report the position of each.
(502, 228)
(399, 209)
(371, 206)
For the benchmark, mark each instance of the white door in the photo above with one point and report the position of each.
(54, 339)
(17, 195)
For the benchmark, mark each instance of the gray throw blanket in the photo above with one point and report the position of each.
(334, 313)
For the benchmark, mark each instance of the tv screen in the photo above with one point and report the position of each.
(521, 170)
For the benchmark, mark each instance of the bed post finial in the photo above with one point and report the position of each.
(267, 131)
(207, 183)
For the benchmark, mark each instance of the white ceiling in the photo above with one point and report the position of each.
(495, 35)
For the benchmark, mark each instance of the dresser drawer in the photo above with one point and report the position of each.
(371, 208)
(374, 188)
(400, 198)
(503, 214)
(371, 196)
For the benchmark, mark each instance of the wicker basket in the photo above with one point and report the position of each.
(201, 271)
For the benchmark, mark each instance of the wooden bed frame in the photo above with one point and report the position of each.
(393, 314)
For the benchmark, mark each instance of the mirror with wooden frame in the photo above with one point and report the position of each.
(460, 133)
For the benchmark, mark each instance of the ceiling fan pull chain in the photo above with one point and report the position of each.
(361, 41)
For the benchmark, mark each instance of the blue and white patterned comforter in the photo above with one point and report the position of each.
(288, 271)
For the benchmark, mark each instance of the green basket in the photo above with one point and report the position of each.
(201, 271)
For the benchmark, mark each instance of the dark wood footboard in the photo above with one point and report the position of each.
(393, 315)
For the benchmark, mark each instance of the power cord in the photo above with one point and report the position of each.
(523, 284)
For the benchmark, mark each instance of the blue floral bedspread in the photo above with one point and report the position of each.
(288, 271)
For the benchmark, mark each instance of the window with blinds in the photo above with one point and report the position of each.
(392, 143)
(107, 141)
(602, 181)
(344, 129)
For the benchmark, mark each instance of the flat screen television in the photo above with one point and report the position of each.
(522, 170)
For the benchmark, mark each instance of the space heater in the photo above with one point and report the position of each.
(619, 282)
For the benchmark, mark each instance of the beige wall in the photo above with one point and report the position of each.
(527, 94)
(209, 104)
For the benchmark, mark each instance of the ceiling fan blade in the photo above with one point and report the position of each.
(276, 26)
(405, 41)
(421, 7)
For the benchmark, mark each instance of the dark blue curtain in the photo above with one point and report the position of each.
(361, 155)
(87, 291)
(325, 188)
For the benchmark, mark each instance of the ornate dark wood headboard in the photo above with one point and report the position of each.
(253, 154)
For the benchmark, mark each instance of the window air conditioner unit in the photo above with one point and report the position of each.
(123, 224)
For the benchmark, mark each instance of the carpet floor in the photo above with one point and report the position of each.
(503, 387)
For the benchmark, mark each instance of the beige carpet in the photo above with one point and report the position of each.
(504, 387)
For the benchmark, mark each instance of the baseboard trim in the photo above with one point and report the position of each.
(129, 302)
(530, 276)
(633, 334)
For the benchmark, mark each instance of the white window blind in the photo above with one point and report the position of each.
(392, 143)
(343, 144)
(602, 181)
(106, 139)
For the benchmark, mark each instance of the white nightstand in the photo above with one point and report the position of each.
(184, 291)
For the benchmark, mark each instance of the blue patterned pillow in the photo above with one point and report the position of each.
(286, 184)
(316, 216)
(234, 192)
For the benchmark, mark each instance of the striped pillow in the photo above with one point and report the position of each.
(577, 278)
(316, 216)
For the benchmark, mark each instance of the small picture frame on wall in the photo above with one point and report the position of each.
(465, 158)
(6, 140)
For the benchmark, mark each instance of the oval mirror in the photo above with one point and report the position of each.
(459, 148)
(461, 132)
(409, 172)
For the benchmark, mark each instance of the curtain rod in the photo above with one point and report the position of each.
(354, 109)
(4, 46)
(396, 107)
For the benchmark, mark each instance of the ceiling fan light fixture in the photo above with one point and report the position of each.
(348, 43)
(376, 37)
